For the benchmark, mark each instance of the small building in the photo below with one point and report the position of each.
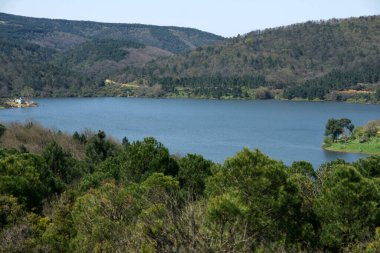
(20, 101)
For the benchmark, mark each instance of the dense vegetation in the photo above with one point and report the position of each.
(88, 193)
(343, 137)
(310, 60)
(336, 128)
(68, 58)
(328, 60)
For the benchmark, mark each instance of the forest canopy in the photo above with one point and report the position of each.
(89, 193)
(317, 60)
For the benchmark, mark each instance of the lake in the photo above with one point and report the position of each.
(216, 129)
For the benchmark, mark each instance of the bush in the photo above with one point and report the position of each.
(327, 142)
(2, 129)
(371, 128)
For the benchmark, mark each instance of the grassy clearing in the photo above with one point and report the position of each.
(354, 146)
(364, 139)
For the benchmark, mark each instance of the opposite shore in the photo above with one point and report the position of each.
(348, 139)
(11, 103)
(17, 103)
(348, 150)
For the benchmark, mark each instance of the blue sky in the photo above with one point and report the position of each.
(223, 17)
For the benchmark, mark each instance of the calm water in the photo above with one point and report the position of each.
(216, 129)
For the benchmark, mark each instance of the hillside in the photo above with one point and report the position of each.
(308, 60)
(328, 60)
(61, 57)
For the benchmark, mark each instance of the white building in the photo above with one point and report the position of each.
(20, 101)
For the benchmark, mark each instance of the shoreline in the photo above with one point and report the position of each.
(200, 98)
(349, 151)
(10, 104)
(332, 149)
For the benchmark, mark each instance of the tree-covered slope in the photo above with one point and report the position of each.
(61, 57)
(88, 193)
(327, 55)
(65, 34)
(312, 60)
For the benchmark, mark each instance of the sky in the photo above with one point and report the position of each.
(223, 17)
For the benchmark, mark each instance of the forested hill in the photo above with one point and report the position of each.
(66, 34)
(334, 59)
(315, 57)
(60, 57)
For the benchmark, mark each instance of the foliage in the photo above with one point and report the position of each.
(259, 186)
(378, 94)
(25, 235)
(369, 167)
(26, 177)
(58, 232)
(73, 58)
(293, 58)
(336, 127)
(341, 217)
(371, 128)
(10, 210)
(98, 148)
(101, 217)
(142, 158)
(136, 197)
(193, 172)
(2, 129)
(336, 80)
(293, 62)
(304, 168)
(374, 246)
(363, 139)
(34, 138)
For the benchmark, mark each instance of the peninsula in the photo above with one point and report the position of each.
(364, 139)
(18, 103)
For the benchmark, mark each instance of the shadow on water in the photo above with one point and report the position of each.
(333, 155)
